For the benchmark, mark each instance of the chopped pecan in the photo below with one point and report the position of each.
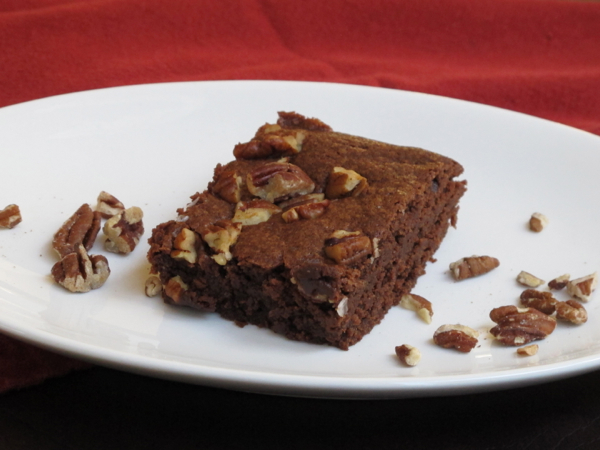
(153, 286)
(80, 272)
(185, 246)
(283, 142)
(308, 206)
(418, 304)
(108, 205)
(254, 212)
(518, 326)
(472, 266)
(347, 247)
(220, 237)
(254, 149)
(408, 354)
(542, 301)
(295, 120)
(571, 311)
(538, 222)
(559, 283)
(10, 216)
(228, 186)
(342, 307)
(278, 181)
(124, 230)
(175, 288)
(460, 337)
(344, 183)
(528, 350)
(527, 279)
(582, 288)
(81, 228)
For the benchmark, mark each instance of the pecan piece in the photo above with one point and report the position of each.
(175, 288)
(528, 350)
(460, 337)
(408, 355)
(346, 247)
(559, 283)
(538, 222)
(518, 326)
(527, 279)
(582, 288)
(80, 272)
(277, 181)
(124, 230)
(10, 216)
(571, 311)
(81, 228)
(185, 246)
(108, 205)
(542, 301)
(344, 183)
(228, 186)
(254, 212)
(254, 149)
(295, 120)
(418, 304)
(220, 237)
(308, 206)
(472, 266)
(153, 286)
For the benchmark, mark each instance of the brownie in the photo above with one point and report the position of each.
(311, 233)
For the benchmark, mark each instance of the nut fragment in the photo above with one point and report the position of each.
(542, 301)
(518, 326)
(538, 222)
(220, 237)
(419, 304)
(153, 286)
(460, 337)
(277, 181)
(255, 149)
(559, 282)
(571, 311)
(528, 350)
(185, 246)
(10, 216)
(295, 120)
(175, 288)
(343, 183)
(582, 288)
(228, 186)
(80, 272)
(254, 212)
(81, 228)
(124, 230)
(346, 247)
(527, 279)
(308, 206)
(108, 205)
(472, 266)
(408, 354)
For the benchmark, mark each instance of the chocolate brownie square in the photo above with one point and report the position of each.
(311, 233)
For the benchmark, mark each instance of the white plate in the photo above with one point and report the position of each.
(155, 145)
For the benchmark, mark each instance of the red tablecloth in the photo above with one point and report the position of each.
(533, 56)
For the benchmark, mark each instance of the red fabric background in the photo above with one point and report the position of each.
(533, 56)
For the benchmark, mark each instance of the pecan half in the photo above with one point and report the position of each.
(10, 216)
(347, 247)
(518, 326)
(220, 237)
(80, 272)
(571, 311)
(254, 212)
(538, 222)
(185, 246)
(472, 266)
(527, 279)
(460, 337)
(559, 283)
(228, 186)
(277, 181)
(81, 228)
(408, 355)
(542, 301)
(308, 206)
(344, 183)
(582, 288)
(124, 230)
(418, 304)
(108, 205)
